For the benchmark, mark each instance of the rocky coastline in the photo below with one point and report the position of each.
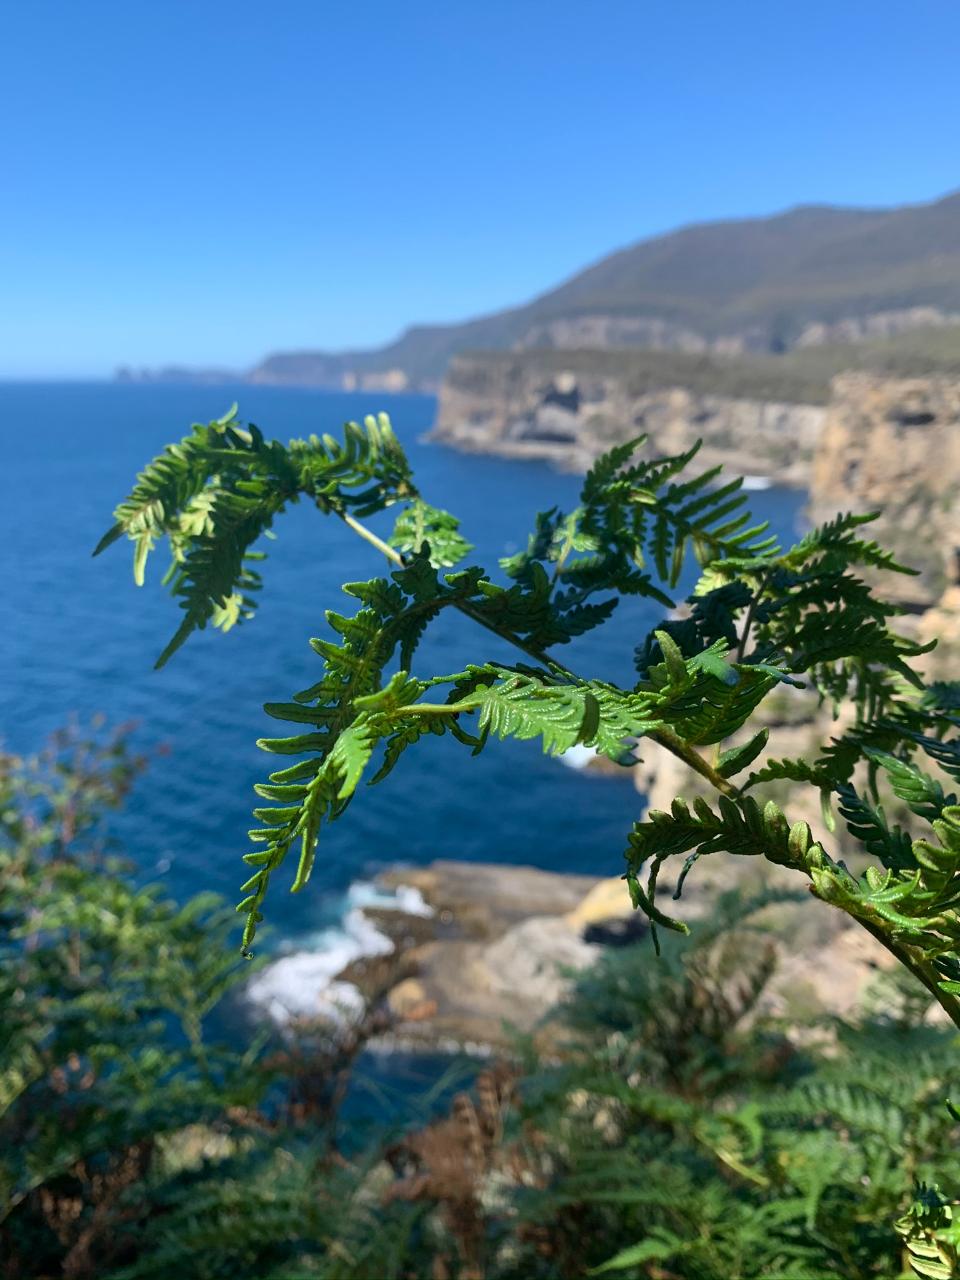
(535, 406)
(499, 946)
(463, 956)
(875, 443)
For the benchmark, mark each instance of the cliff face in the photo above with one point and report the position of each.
(876, 444)
(520, 407)
(650, 333)
(893, 445)
(882, 324)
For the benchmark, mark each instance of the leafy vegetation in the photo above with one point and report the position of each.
(104, 989)
(134, 1141)
(703, 1171)
(690, 1139)
(680, 1132)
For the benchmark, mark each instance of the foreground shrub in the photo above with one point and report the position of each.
(680, 1133)
(105, 987)
(687, 1137)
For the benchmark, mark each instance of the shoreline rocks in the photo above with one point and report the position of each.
(507, 942)
(501, 937)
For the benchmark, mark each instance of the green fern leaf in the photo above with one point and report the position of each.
(422, 529)
(522, 707)
(731, 762)
(217, 492)
(867, 823)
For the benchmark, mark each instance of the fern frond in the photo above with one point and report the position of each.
(660, 1246)
(421, 528)
(738, 827)
(351, 710)
(942, 696)
(867, 823)
(923, 794)
(838, 538)
(705, 698)
(220, 489)
(522, 707)
(638, 505)
(835, 765)
(946, 754)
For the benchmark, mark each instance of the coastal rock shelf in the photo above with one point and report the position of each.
(504, 942)
(500, 937)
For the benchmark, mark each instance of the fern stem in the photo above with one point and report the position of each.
(394, 555)
(436, 708)
(667, 739)
(369, 536)
(917, 966)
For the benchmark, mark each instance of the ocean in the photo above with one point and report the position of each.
(80, 639)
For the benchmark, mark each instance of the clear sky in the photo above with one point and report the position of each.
(205, 182)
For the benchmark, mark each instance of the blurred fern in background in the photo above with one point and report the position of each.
(680, 1133)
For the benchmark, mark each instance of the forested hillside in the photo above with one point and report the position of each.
(811, 275)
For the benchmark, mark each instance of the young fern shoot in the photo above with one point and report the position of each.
(759, 616)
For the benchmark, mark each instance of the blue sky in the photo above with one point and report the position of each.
(206, 182)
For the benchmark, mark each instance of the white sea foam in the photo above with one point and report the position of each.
(403, 898)
(304, 982)
(302, 985)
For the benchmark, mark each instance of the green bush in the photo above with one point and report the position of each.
(681, 1133)
(686, 1137)
(104, 990)
(132, 1143)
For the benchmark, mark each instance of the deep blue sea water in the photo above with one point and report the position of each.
(80, 638)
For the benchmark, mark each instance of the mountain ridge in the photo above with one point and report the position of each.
(807, 275)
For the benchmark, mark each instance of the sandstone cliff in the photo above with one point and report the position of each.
(893, 446)
(533, 406)
(651, 333)
(877, 443)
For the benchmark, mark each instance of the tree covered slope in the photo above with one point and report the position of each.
(757, 283)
